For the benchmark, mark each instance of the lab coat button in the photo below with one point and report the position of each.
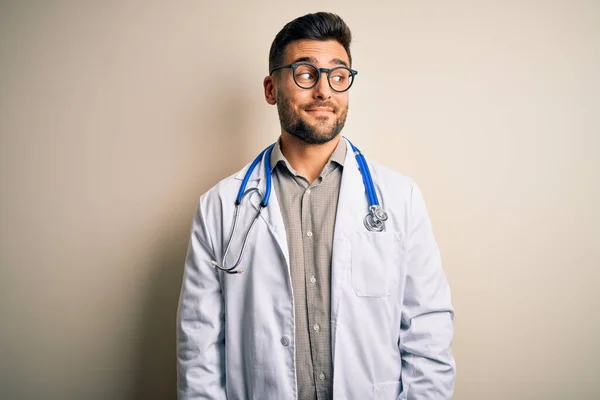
(285, 340)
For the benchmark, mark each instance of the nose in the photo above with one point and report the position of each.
(322, 90)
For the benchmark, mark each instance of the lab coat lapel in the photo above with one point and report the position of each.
(352, 202)
(271, 215)
(352, 208)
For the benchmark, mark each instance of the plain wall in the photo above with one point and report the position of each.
(116, 116)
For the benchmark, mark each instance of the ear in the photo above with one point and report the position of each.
(270, 91)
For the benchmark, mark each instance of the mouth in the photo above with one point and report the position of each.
(319, 110)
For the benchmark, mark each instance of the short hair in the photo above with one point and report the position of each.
(318, 26)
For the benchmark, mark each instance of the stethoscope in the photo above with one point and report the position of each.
(374, 221)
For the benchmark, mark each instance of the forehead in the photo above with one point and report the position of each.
(324, 52)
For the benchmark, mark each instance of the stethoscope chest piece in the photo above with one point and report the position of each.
(375, 219)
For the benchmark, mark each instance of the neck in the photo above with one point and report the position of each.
(307, 159)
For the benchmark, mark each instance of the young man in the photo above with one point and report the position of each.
(330, 304)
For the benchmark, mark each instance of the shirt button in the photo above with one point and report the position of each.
(307, 191)
(313, 279)
(309, 234)
(316, 327)
(285, 340)
(322, 376)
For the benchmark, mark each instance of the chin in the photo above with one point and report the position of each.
(328, 120)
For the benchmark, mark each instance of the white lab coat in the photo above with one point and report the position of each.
(391, 315)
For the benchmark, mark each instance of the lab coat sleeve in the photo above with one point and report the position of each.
(200, 322)
(426, 331)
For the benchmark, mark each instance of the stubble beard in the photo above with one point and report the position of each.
(320, 133)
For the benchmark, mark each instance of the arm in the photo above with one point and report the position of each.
(201, 321)
(428, 367)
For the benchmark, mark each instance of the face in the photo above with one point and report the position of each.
(315, 115)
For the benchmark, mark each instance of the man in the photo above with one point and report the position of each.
(325, 308)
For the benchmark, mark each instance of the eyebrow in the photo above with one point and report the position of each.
(313, 60)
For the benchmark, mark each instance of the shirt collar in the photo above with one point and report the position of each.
(338, 156)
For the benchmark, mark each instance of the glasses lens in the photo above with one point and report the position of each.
(306, 76)
(340, 78)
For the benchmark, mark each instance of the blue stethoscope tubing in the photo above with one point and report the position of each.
(265, 200)
(366, 175)
(374, 220)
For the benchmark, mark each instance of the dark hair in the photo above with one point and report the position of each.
(318, 26)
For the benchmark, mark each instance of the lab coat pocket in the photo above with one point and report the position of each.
(387, 390)
(375, 263)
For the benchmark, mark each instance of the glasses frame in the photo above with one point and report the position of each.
(328, 71)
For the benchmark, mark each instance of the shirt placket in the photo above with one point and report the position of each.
(316, 319)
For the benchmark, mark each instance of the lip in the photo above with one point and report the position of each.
(319, 110)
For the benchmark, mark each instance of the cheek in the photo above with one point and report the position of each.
(343, 104)
(299, 100)
(344, 99)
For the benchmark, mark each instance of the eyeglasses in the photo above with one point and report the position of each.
(307, 76)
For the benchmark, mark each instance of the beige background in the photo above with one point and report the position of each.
(116, 116)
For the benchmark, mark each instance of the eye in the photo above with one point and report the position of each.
(338, 78)
(306, 75)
